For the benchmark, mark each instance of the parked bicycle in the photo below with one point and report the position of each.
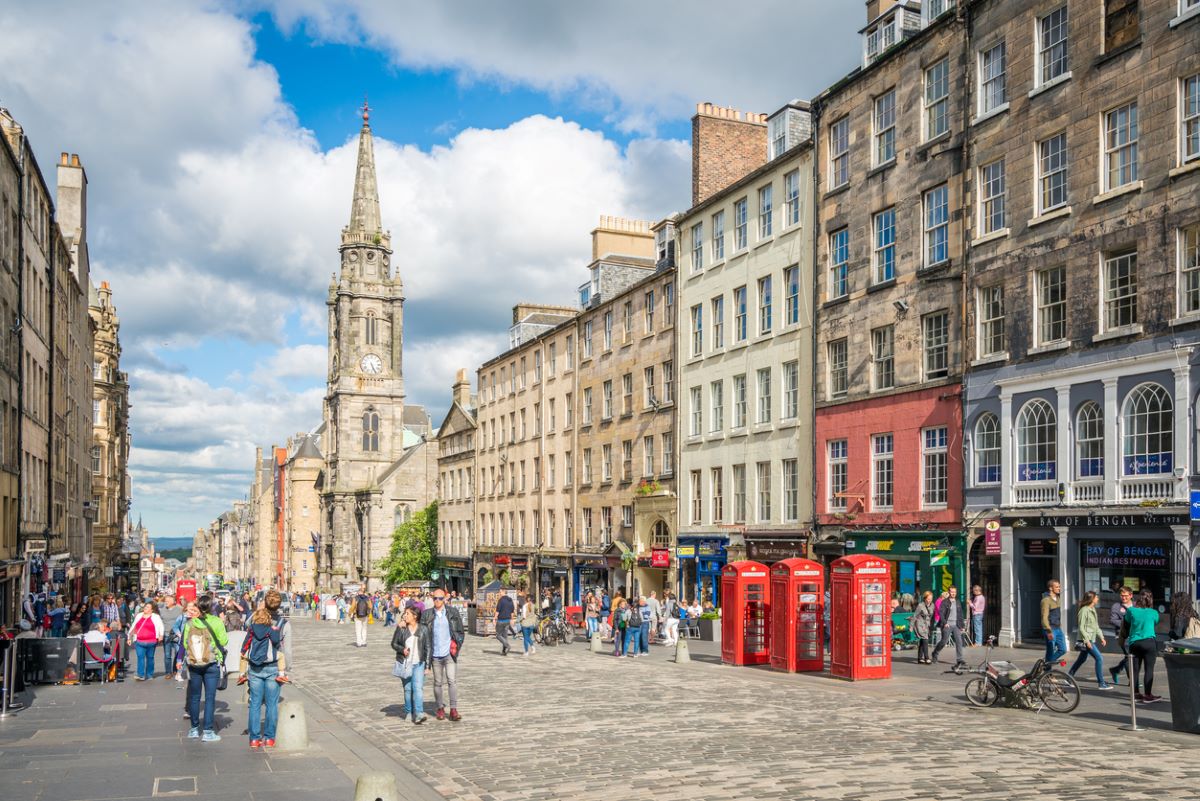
(553, 629)
(1043, 686)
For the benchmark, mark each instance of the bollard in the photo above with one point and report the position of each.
(292, 732)
(597, 643)
(376, 787)
(681, 651)
(1132, 725)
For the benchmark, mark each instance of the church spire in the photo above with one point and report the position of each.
(365, 225)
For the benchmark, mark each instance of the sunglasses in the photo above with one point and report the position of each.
(439, 597)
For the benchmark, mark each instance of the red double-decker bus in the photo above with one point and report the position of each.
(185, 590)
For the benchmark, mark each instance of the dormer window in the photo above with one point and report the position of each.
(932, 9)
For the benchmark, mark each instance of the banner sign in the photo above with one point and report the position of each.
(1152, 555)
(991, 538)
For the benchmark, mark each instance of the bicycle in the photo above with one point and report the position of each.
(553, 629)
(1043, 686)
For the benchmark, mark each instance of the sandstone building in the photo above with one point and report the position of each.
(109, 458)
(456, 487)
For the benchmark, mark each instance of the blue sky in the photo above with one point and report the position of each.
(219, 143)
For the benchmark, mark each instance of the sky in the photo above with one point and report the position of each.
(219, 140)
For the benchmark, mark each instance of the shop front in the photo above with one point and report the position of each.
(920, 560)
(554, 574)
(700, 562)
(590, 572)
(769, 547)
(512, 570)
(453, 574)
(651, 571)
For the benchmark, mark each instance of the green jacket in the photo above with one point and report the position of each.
(1087, 626)
(214, 623)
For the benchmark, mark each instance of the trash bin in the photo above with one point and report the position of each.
(1183, 679)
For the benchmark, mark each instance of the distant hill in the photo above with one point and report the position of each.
(170, 543)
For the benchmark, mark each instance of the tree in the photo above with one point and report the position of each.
(414, 548)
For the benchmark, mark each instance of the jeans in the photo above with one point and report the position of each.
(1094, 652)
(922, 649)
(170, 646)
(445, 671)
(1056, 644)
(1145, 654)
(977, 628)
(1124, 663)
(145, 658)
(950, 633)
(644, 638)
(502, 634)
(631, 639)
(527, 636)
(593, 625)
(360, 630)
(263, 688)
(202, 678)
(414, 693)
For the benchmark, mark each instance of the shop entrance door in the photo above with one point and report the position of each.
(1036, 572)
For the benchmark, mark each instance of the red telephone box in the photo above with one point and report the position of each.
(745, 613)
(860, 618)
(797, 615)
(185, 590)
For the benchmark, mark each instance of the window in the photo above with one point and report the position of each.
(668, 375)
(882, 476)
(937, 225)
(791, 198)
(1120, 23)
(587, 525)
(552, 359)
(1052, 45)
(839, 153)
(606, 523)
(764, 395)
(587, 339)
(569, 468)
(791, 282)
(1189, 117)
(791, 390)
(762, 471)
(1051, 307)
(607, 400)
(935, 333)
(606, 462)
(669, 303)
(370, 431)
(991, 197)
(1036, 442)
(627, 321)
(739, 314)
(932, 9)
(739, 493)
(718, 322)
(883, 356)
(791, 490)
(934, 467)
(627, 393)
(697, 330)
(570, 348)
(697, 498)
(1052, 173)
(838, 475)
(648, 311)
(839, 257)
(765, 207)
(697, 247)
(627, 460)
(1120, 290)
(937, 99)
(697, 413)
(551, 476)
(993, 91)
(1089, 441)
(839, 373)
(96, 459)
(739, 224)
(884, 260)
(885, 127)
(608, 328)
(987, 450)
(648, 456)
(717, 405)
(537, 366)
(587, 406)
(1148, 434)
(764, 305)
(649, 399)
(668, 453)
(1121, 146)
(372, 328)
(716, 490)
(991, 320)
(718, 236)
(568, 411)
(739, 401)
(1189, 269)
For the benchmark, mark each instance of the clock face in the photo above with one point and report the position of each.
(371, 364)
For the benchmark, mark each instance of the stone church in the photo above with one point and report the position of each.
(380, 458)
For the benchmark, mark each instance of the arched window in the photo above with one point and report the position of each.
(987, 449)
(370, 437)
(401, 515)
(661, 535)
(1148, 441)
(372, 328)
(1089, 441)
(1037, 450)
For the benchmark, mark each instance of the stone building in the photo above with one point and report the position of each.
(1084, 298)
(744, 351)
(890, 181)
(110, 432)
(301, 512)
(456, 488)
(11, 358)
(379, 468)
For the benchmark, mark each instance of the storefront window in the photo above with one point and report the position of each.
(1148, 432)
(1089, 441)
(1036, 445)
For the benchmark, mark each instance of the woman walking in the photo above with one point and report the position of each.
(529, 621)
(591, 609)
(145, 633)
(204, 641)
(977, 604)
(1140, 624)
(262, 646)
(922, 626)
(412, 643)
(1087, 630)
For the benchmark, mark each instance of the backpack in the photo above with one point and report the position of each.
(362, 608)
(201, 645)
(261, 650)
(626, 615)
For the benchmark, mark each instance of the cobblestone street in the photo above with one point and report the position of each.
(567, 723)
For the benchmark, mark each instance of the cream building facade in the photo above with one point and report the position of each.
(456, 487)
(301, 512)
(109, 457)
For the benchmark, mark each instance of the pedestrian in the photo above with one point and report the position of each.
(110, 611)
(446, 632)
(620, 623)
(170, 612)
(922, 626)
(951, 616)
(671, 614)
(656, 619)
(1087, 632)
(1141, 622)
(632, 616)
(1116, 620)
(59, 616)
(231, 615)
(261, 649)
(977, 604)
(204, 641)
(646, 622)
(144, 635)
(1056, 641)
(412, 643)
(504, 615)
(1184, 622)
(361, 614)
(605, 603)
(529, 621)
(591, 613)
(273, 600)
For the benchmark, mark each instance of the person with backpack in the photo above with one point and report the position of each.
(361, 614)
(204, 641)
(672, 613)
(262, 648)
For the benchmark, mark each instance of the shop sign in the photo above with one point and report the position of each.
(775, 550)
(1036, 471)
(60, 575)
(710, 548)
(1040, 547)
(686, 552)
(660, 557)
(1152, 555)
(591, 561)
(1196, 506)
(1131, 520)
(500, 559)
(643, 561)
(939, 556)
(552, 563)
(35, 546)
(991, 537)
(454, 564)
(520, 563)
(1152, 464)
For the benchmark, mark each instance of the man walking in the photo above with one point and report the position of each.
(656, 616)
(1056, 641)
(445, 626)
(504, 613)
(952, 626)
(361, 611)
(1116, 617)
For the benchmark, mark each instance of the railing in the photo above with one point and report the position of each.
(1146, 489)
(1039, 493)
(1087, 492)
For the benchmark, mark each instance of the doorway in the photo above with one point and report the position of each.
(1036, 572)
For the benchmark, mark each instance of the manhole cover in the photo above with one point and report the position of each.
(167, 786)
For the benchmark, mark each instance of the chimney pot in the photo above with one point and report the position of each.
(64, 159)
(74, 159)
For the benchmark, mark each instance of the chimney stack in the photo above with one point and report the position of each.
(462, 389)
(727, 145)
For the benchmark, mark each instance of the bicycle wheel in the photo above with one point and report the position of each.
(567, 633)
(1058, 691)
(982, 691)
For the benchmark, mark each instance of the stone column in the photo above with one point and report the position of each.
(1062, 571)
(1008, 588)
(1062, 447)
(1112, 441)
(1181, 463)
(1007, 453)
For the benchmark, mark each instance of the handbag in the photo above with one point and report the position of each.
(403, 669)
(1082, 646)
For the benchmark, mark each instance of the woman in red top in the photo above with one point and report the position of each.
(145, 633)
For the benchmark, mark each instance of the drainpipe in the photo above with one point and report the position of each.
(815, 109)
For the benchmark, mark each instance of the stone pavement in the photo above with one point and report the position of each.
(566, 723)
